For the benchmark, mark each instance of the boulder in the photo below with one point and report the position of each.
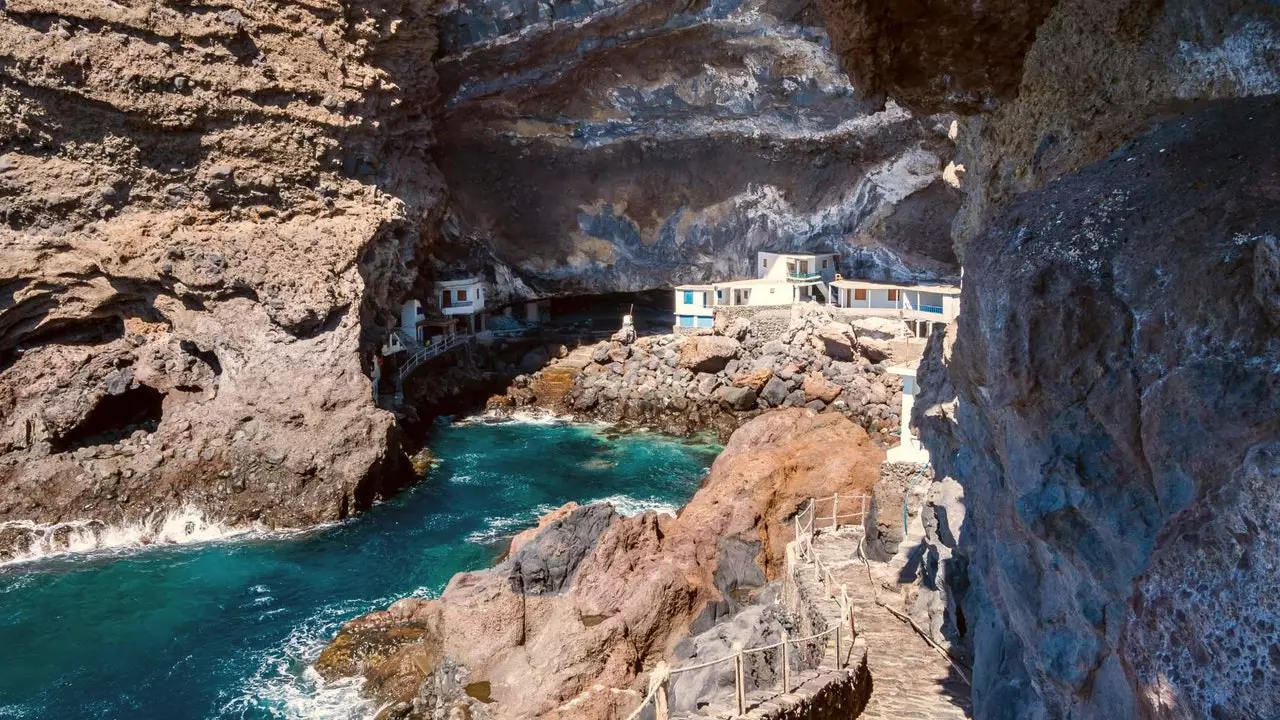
(774, 393)
(876, 328)
(601, 353)
(708, 353)
(816, 387)
(755, 379)
(838, 340)
(795, 398)
(738, 398)
(737, 328)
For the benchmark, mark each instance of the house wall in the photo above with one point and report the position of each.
(693, 309)
(409, 314)
(475, 298)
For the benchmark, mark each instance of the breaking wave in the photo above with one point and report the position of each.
(26, 541)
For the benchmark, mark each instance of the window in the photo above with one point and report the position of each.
(706, 322)
(686, 320)
(893, 295)
(688, 297)
(764, 263)
(462, 295)
(824, 264)
(445, 299)
(719, 295)
(859, 293)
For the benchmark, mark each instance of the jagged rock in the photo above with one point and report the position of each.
(774, 393)
(709, 353)
(599, 628)
(795, 398)
(1109, 406)
(602, 353)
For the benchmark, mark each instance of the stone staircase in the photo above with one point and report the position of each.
(909, 677)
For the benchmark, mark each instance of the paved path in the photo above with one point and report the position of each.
(909, 678)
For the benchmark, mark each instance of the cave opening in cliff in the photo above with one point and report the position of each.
(116, 417)
(652, 312)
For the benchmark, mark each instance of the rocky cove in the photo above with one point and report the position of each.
(210, 217)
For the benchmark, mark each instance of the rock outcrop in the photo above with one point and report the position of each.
(201, 211)
(1111, 406)
(583, 605)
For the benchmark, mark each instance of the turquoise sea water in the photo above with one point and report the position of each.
(226, 629)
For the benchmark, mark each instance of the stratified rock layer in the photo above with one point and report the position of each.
(199, 209)
(1115, 430)
(591, 600)
(622, 145)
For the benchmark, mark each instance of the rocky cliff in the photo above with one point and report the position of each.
(585, 604)
(1104, 412)
(201, 209)
(605, 145)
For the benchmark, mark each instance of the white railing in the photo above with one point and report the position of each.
(423, 353)
(807, 522)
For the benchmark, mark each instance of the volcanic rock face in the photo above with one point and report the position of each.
(198, 211)
(619, 145)
(1059, 83)
(591, 600)
(1114, 425)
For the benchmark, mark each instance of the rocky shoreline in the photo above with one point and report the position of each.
(584, 604)
(803, 356)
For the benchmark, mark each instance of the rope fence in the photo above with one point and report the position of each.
(806, 522)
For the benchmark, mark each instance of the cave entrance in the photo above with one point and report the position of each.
(116, 417)
(654, 312)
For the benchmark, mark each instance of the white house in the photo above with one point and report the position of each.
(919, 306)
(464, 298)
(694, 306)
(781, 279)
(411, 317)
(909, 449)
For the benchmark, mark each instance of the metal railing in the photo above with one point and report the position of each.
(930, 309)
(806, 523)
(803, 277)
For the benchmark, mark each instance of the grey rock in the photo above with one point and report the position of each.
(774, 393)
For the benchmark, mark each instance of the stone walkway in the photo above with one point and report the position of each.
(909, 678)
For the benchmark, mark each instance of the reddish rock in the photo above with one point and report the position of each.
(754, 380)
(816, 387)
(639, 583)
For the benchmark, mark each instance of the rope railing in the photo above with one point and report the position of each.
(806, 523)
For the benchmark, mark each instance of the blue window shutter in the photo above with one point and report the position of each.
(688, 298)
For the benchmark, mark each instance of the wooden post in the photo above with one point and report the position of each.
(739, 681)
(835, 503)
(839, 658)
(786, 663)
(659, 680)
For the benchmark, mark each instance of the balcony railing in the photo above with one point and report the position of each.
(459, 304)
(804, 277)
(931, 309)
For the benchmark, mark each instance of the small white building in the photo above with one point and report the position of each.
(411, 317)
(781, 279)
(463, 298)
(909, 450)
(694, 307)
(919, 306)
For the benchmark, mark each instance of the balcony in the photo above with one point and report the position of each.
(931, 309)
(804, 277)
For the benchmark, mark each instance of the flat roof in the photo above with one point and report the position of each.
(752, 281)
(875, 285)
(457, 281)
(693, 287)
(788, 253)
